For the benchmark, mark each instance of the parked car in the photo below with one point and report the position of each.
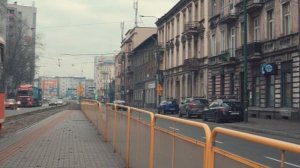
(52, 102)
(192, 107)
(223, 110)
(59, 102)
(11, 104)
(168, 106)
(120, 102)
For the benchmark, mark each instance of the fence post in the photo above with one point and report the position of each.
(152, 134)
(115, 128)
(128, 136)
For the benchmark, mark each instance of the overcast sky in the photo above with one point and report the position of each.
(85, 27)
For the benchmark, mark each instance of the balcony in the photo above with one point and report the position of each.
(228, 15)
(254, 50)
(252, 5)
(160, 48)
(281, 44)
(227, 57)
(192, 64)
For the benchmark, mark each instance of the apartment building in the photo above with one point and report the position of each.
(144, 69)
(273, 55)
(104, 75)
(70, 87)
(182, 32)
(133, 38)
(119, 93)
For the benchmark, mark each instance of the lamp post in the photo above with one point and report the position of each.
(245, 48)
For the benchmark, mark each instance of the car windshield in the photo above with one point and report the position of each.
(232, 103)
(10, 100)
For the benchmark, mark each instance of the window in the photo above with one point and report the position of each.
(270, 24)
(232, 42)
(256, 32)
(270, 91)
(213, 7)
(213, 45)
(202, 10)
(255, 91)
(286, 16)
(196, 11)
(177, 25)
(242, 32)
(213, 84)
(231, 89)
(222, 41)
(222, 84)
(286, 84)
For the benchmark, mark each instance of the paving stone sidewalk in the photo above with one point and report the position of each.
(72, 143)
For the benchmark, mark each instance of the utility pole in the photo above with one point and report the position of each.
(122, 30)
(136, 7)
(245, 87)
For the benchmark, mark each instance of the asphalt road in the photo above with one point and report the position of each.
(255, 152)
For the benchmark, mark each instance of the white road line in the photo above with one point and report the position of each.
(215, 141)
(174, 128)
(280, 161)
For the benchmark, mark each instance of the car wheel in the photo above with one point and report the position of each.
(179, 114)
(217, 118)
(188, 114)
(204, 117)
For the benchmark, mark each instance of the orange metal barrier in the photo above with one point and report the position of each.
(238, 161)
(143, 142)
(172, 146)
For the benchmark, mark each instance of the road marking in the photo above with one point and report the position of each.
(291, 164)
(174, 128)
(215, 141)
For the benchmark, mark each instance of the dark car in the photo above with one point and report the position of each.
(192, 107)
(120, 102)
(223, 110)
(168, 106)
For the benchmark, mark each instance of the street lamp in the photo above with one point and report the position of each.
(245, 95)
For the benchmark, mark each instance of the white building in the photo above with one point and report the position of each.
(25, 13)
(104, 75)
(70, 86)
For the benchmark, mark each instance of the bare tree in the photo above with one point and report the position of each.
(20, 55)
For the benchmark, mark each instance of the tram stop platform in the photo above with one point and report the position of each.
(64, 140)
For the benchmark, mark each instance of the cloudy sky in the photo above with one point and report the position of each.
(85, 27)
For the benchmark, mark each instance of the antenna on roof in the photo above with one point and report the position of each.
(122, 30)
(136, 7)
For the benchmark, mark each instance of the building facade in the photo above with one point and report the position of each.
(49, 86)
(273, 55)
(143, 70)
(182, 32)
(119, 93)
(133, 38)
(70, 87)
(104, 75)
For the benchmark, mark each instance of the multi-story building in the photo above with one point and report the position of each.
(71, 87)
(90, 89)
(182, 31)
(273, 55)
(119, 93)
(143, 70)
(133, 38)
(49, 86)
(104, 75)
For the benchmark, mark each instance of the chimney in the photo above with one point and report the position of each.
(16, 3)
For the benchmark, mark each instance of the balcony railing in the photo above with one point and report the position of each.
(252, 5)
(129, 70)
(282, 43)
(226, 57)
(228, 14)
(192, 64)
(254, 50)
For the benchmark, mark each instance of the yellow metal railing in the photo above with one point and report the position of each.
(138, 136)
